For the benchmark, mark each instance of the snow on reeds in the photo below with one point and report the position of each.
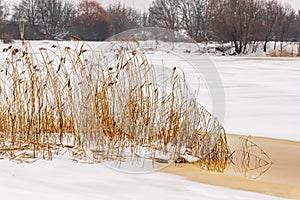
(96, 107)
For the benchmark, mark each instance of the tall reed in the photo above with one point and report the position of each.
(95, 107)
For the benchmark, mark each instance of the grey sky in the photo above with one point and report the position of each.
(294, 3)
(144, 4)
(138, 4)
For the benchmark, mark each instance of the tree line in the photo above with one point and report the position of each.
(243, 22)
(58, 19)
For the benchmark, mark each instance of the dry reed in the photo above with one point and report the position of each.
(76, 101)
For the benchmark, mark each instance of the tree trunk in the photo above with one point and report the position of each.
(265, 46)
(237, 47)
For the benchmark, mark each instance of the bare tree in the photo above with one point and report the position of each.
(272, 17)
(196, 18)
(295, 28)
(284, 24)
(54, 18)
(165, 14)
(144, 22)
(27, 9)
(4, 11)
(123, 18)
(49, 18)
(237, 21)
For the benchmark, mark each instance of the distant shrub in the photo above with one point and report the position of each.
(7, 38)
(283, 53)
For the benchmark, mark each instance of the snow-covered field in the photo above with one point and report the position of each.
(262, 98)
(262, 94)
(62, 179)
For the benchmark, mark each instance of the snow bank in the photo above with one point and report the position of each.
(62, 179)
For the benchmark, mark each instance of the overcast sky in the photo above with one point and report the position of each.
(295, 3)
(144, 4)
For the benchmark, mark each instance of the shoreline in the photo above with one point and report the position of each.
(281, 180)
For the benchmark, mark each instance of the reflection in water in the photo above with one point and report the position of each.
(250, 159)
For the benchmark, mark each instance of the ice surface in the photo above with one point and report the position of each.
(262, 96)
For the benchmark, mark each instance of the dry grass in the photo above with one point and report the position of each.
(283, 53)
(77, 102)
(37, 102)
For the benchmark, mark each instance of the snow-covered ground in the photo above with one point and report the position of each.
(262, 95)
(262, 98)
(62, 179)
